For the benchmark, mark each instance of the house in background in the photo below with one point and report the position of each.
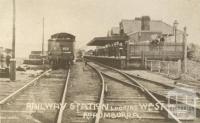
(154, 39)
(145, 29)
(133, 41)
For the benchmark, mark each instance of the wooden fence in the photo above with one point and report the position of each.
(166, 51)
(169, 68)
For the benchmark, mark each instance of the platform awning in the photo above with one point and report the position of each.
(102, 41)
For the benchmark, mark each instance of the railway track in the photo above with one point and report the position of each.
(82, 96)
(36, 102)
(163, 90)
(125, 100)
(61, 110)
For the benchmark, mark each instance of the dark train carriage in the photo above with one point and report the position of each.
(61, 50)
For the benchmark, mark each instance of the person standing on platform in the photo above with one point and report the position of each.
(8, 57)
(1, 60)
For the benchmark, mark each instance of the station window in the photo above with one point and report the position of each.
(65, 48)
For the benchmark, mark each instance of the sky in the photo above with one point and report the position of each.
(87, 19)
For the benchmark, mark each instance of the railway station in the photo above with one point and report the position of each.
(134, 75)
(135, 42)
(142, 71)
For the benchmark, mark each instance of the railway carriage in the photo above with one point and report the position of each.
(61, 50)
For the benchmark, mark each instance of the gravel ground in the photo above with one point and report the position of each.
(83, 87)
(7, 86)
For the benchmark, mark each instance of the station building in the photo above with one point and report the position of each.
(133, 41)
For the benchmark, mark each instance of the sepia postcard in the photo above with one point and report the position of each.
(99, 61)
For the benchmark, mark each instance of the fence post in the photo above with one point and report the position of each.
(168, 68)
(145, 63)
(151, 65)
(128, 52)
(179, 67)
(159, 67)
(143, 59)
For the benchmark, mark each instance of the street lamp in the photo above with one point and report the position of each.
(175, 30)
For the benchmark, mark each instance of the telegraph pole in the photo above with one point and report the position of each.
(43, 36)
(43, 41)
(13, 60)
(185, 50)
(175, 32)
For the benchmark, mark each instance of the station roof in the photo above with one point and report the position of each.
(102, 41)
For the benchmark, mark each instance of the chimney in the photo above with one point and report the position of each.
(145, 23)
(137, 18)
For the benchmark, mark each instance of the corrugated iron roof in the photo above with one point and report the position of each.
(102, 41)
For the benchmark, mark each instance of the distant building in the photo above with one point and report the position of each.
(143, 28)
(35, 58)
(141, 39)
(37, 55)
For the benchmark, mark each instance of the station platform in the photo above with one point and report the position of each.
(22, 77)
(117, 62)
(161, 79)
(151, 76)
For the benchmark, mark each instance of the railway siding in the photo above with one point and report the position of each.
(7, 87)
(37, 102)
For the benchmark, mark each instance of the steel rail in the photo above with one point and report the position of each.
(154, 93)
(3, 101)
(170, 87)
(101, 101)
(121, 81)
(60, 113)
(155, 99)
(161, 84)
(146, 90)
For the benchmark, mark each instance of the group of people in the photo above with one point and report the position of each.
(116, 51)
(5, 60)
(157, 43)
